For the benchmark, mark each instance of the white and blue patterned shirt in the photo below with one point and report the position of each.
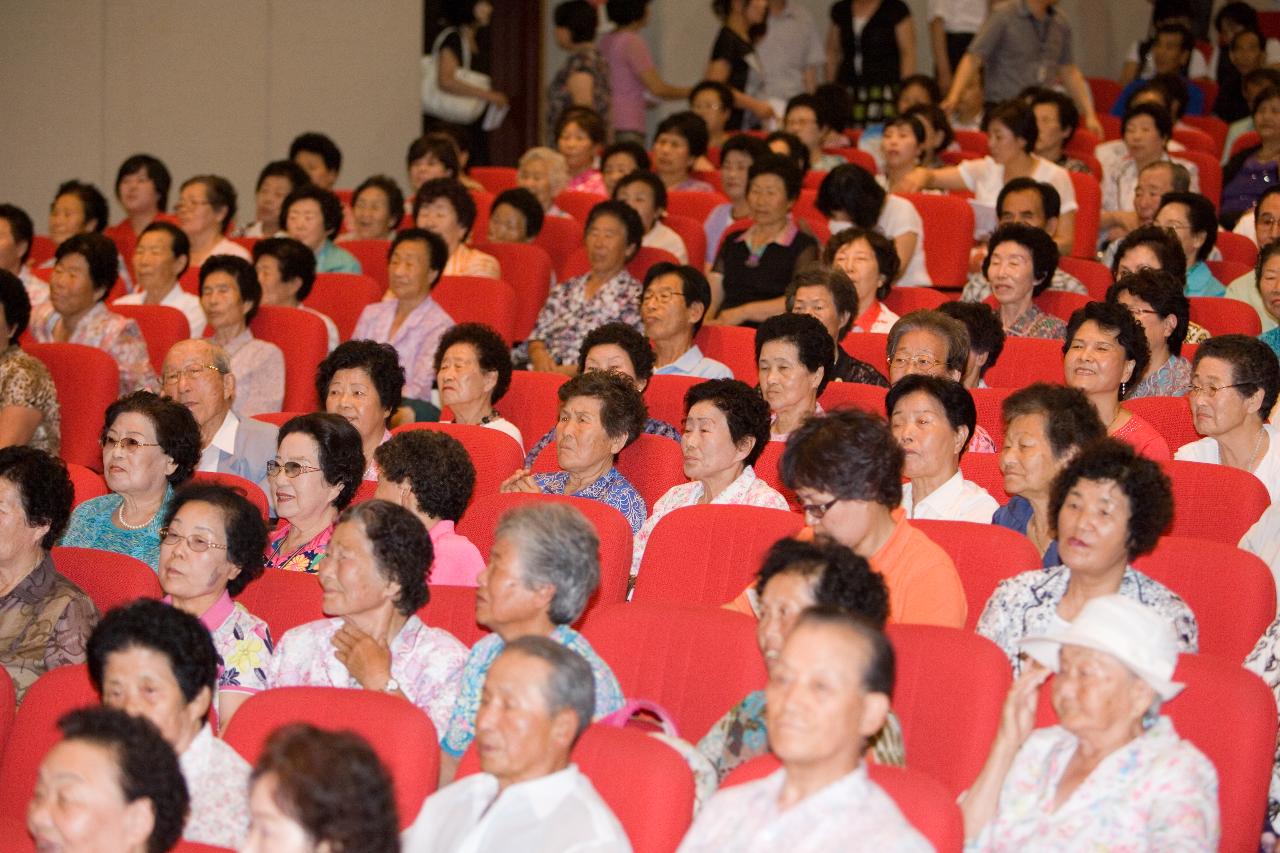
(612, 489)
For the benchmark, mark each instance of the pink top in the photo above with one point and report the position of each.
(1144, 438)
(589, 181)
(628, 57)
(457, 561)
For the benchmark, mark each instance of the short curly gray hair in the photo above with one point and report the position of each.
(556, 546)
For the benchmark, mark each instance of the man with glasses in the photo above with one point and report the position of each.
(672, 306)
(1266, 221)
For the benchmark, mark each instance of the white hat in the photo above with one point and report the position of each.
(1132, 633)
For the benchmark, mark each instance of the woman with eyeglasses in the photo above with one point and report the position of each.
(210, 550)
(1155, 299)
(318, 466)
(150, 445)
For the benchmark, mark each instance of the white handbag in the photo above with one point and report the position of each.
(459, 109)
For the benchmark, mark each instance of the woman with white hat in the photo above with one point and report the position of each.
(1113, 774)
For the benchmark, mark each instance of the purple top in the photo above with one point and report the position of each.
(628, 57)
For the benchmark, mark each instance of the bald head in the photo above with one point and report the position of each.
(197, 374)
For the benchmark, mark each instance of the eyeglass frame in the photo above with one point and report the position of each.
(819, 511)
(1211, 391)
(274, 468)
(165, 533)
(127, 443)
(187, 371)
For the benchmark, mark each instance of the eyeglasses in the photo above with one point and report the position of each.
(192, 372)
(188, 205)
(128, 444)
(661, 297)
(1139, 313)
(1267, 221)
(194, 541)
(920, 362)
(1175, 227)
(817, 511)
(292, 470)
(1211, 391)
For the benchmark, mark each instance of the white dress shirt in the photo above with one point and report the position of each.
(957, 499)
(224, 441)
(187, 303)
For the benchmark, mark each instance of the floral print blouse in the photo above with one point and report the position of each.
(304, 559)
(612, 489)
(569, 314)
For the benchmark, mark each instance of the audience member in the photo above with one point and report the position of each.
(1170, 50)
(673, 304)
(444, 207)
(829, 296)
(1268, 287)
(515, 217)
(712, 101)
(312, 216)
(622, 158)
(1146, 129)
(1155, 299)
(1019, 266)
(230, 295)
(276, 180)
(473, 370)
(318, 156)
(579, 135)
(545, 173)
(850, 198)
(1191, 218)
(986, 339)
(362, 381)
(790, 146)
(808, 122)
(644, 192)
(159, 259)
(142, 188)
(1056, 122)
(633, 76)
(793, 354)
(1246, 288)
(739, 153)
(1254, 169)
(583, 79)
(287, 271)
(432, 155)
(377, 206)
(78, 208)
(734, 62)
(1154, 180)
(29, 410)
(902, 147)
(678, 142)
(206, 209)
(17, 235)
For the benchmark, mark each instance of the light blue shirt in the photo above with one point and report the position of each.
(694, 363)
(1200, 282)
(331, 258)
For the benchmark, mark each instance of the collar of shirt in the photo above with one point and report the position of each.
(440, 530)
(785, 237)
(541, 795)
(686, 363)
(868, 318)
(225, 438)
(215, 615)
(238, 342)
(945, 495)
(197, 753)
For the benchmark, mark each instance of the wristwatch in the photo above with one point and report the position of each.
(392, 686)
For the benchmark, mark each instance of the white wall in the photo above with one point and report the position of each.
(207, 87)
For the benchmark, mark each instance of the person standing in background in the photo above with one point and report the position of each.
(791, 53)
(631, 69)
(952, 25)
(734, 60)
(871, 46)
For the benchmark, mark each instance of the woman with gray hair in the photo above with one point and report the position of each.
(543, 568)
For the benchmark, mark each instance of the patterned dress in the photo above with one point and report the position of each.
(244, 646)
(1173, 379)
(569, 314)
(1034, 323)
(1265, 661)
(45, 622)
(91, 527)
(586, 61)
(218, 781)
(612, 489)
(117, 336)
(304, 559)
(25, 382)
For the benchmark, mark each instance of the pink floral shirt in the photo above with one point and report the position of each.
(117, 336)
(243, 642)
(468, 261)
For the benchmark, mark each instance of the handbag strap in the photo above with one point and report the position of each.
(466, 51)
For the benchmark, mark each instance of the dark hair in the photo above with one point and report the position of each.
(241, 520)
(840, 577)
(1016, 116)
(400, 546)
(837, 284)
(1044, 252)
(937, 119)
(1114, 319)
(437, 248)
(631, 148)
(954, 333)
(723, 92)
(492, 355)
(44, 486)
(219, 193)
(526, 203)
(957, 402)
(1162, 243)
(1253, 366)
(1163, 293)
(879, 675)
(579, 17)
(1171, 88)
(1050, 201)
(784, 168)
(986, 332)
(246, 278)
(1271, 93)
(911, 123)
(924, 81)
(333, 785)
(91, 199)
(745, 411)
(330, 206)
(585, 118)
(389, 188)
(799, 152)
(633, 343)
(20, 226)
(295, 261)
(340, 451)
(1070, 420)
(179, 243)
(689, 126)
(1143, 482)
(1269, 78)
(624, 213)
(693, 285)
(1180, 30)
(852, 190)
(379, 360)
(814, 347)
(287, 169)
(887, 260)
(151, 624)
(848, 453)
(1068, 115)
(649, 179)
(319, 144)
(99, 252)
(570, 683)
(752, 146)
(146, 766)
(622, 409)
(177, 432)
(439, 145)
(1158, 114)
(1200, 212)
(157, 174)
(16, 304)
(806, 101)
(1238, 12)
(458, 13)
(436, 466)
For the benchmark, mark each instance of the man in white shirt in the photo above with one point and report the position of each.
(828, 692)
(197, 374)
(287, 271)
(672, 306)
(159, 259)
(538, 698)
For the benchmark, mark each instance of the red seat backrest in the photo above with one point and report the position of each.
(342, 296)
(42, 249)
(807, 214)
(372, 255)
(1197, 486)
(984, 469)
(304, 341)
(284, 599)
(653, 464)
(767, 469)
(1060, 304)
(709, 554)
(1236, 248)
(387, 722)
(1093, 275)
(532, 403)
(856, 156)
(495, 179)
(1171, 417)
(1248, 139)
(1027, 360)
(1225, 316)
(494, 454)
(484, 203)
(473, 299)
(1210, 172)
(1196, 139)
(453, 608)
(904, 300)
(527, 268)
(948, 234)
(162, 326)
(248, 488)
(108, 578)
(87, 381)
(8, 706)
(1088, 214)
(691, 234)
(984, 554)
(560, 235)
(694, 205)
(856, 395)
(871, 347)
(988, 402)
(697, 662)
(732, 346)
(578, 204)
(277, 418)
(1105, 92)
(1216, 128)
(664, 397)
(972, 140)
(86, 483)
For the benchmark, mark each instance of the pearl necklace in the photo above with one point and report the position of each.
(1257, 445)
(126, 525)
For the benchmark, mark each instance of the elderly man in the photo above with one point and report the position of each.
(672, 306)
(197, 374)
(1266, 221)
(159, 259)
(537, 700)
(1154, 180)
(828, 692)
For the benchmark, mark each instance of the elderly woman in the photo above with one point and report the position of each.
(514, 217)
(361, 381)
(1253, 169)
(78, 208)
(1155, 299)
(443, 206)
(1011, 140)
(678, 142)
(29, 411)
(644, 192)
(206, 208)
(373, 585)
(312, 216)
(211, 549)
(1267, 292)
(159, 663)
(430, 474)
(276, 180)
(126, 781)
(545, 173)
(1157, 248)
(45, 618)
(1105, 349)
(580, 134)
(1020, 263)
(621, 158)
(869, 260)
(726, 428)
(313, 789)
(601, 412)
(473, 372)
(712, 101)
(793, 354)
(1113, 770)
(150, 445)
(542, 571)
(933, 419)
(1109, 506)
(1191, 218)
(84, 271)
(1146, 130)
(1234, 383)
(230, 294)
(314, 476)
(287, 271)
(754, 264)
(738, 154)
(604, 294)
(827, 294)
(850, 198)
(377, 206)
(673, 305)
(793, 577)
(1045, 426)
